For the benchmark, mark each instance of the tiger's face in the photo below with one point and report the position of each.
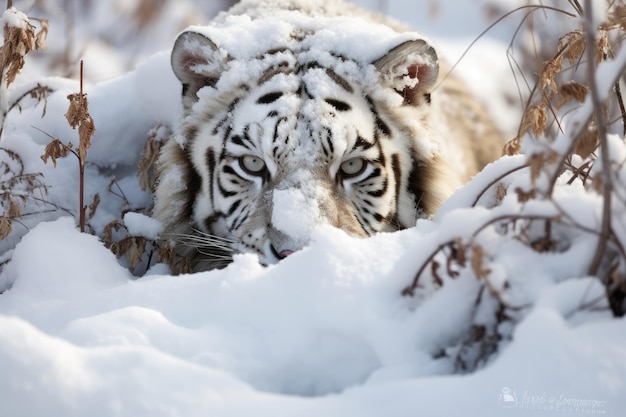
(271, 148)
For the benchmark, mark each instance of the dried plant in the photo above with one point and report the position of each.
(138, 252)
(156, 139)
(78, 117)
(20, 38)
(17, 188)
(564, 133)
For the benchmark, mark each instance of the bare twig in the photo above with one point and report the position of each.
(410, 290)
(81, 163)
(607, 187)
(496, 180)
(620, 102)
(491, 26)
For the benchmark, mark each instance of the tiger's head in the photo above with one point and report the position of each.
(272, 146)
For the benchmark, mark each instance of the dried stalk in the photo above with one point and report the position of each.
(78, 117)
(607, 186)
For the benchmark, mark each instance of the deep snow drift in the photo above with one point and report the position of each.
(326, 332)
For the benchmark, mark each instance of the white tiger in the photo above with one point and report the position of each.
(301, 113)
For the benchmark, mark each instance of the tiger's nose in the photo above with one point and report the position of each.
(281, 254)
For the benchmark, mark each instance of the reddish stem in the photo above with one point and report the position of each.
(81, 164)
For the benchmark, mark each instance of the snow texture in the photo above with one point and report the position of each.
(325, 332)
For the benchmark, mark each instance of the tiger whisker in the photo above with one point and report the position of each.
(188, 241)
(214, 256)
(206, 251)
(205, 239)
(215, 237)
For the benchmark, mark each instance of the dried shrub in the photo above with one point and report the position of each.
(20, 38)
(146, 169)
(78, 117)
(578, 149)
(17, 189)
(138, 252)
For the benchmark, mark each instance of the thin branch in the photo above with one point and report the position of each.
(410, 290)
(620, 102)
(602, 129)
(576, 5)
(491, 26)
(496, 180)
(81, 163)
(66, 147)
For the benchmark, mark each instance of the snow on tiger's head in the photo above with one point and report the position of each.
(294, 123)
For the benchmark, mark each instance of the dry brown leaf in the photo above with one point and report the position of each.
(460, 253)
(19, 40)
(618, 16)
(92, 207)
(112, 226)
(536, 163)
(78, 116)
(5, 227)
(185, 266)
(552, 68)
(544, 244)
(501, 192)
(146, 165)
(512, 147)
(55, 150)
(478, 262)
(572, 90)
(135, 251)
(165, 253)
(40, 93)
(85, 132)
(573, 45)
(132, 247)
(535, 119)
(434, 271)
(120, 247)
(524, 196)
(42, 35)
(14, 210)
(602, 47)
(586, 143)
(77, 112)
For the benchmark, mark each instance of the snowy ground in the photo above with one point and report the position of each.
(326, 332)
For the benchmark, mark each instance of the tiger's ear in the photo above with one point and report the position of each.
(411, 69)
(197, 62)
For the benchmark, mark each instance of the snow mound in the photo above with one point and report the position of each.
(88, 339)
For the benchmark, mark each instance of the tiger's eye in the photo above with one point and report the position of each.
(353, 167)
(252, 165)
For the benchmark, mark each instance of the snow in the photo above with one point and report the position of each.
(141, 225)
(290, 207)
(327, 330)
(249, 339)
(14, 18)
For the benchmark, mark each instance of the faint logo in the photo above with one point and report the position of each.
(508, 398)
(544, 401)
